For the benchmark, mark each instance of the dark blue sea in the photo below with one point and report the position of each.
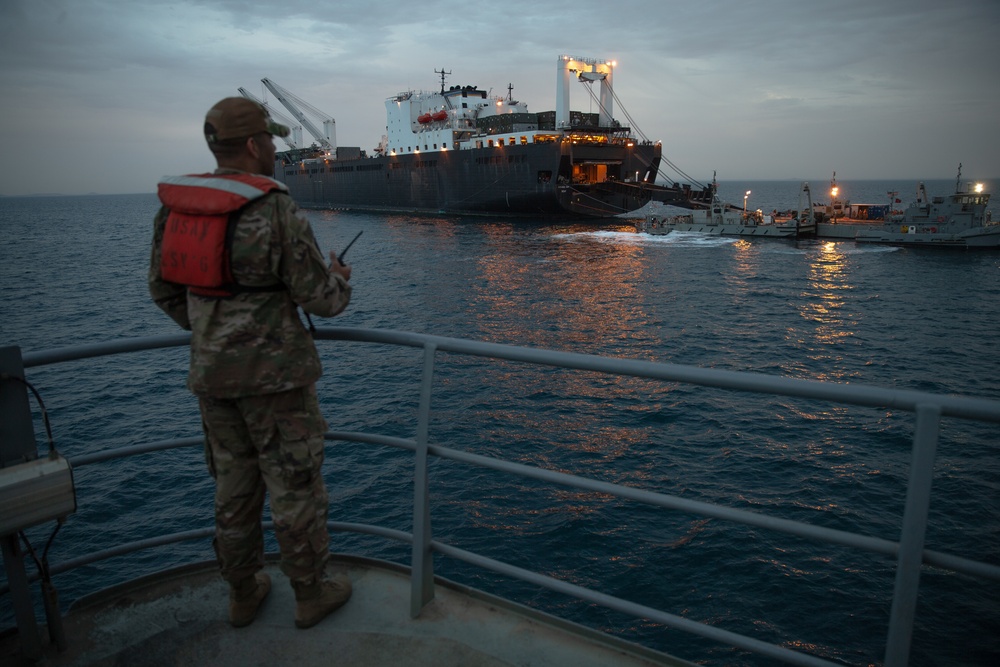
(73, 270)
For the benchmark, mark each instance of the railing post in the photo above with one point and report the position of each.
(17, 434)
(911, 539)
(422, 561)
(20, 593)
(17, 445)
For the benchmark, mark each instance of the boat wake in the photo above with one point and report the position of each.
(701, 240)
(846, 247)
(674, 239)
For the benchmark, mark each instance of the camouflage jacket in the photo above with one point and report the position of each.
(254, 343)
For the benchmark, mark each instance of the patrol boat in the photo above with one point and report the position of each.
(960, 220)
(460, 150)
(401, 613)
(722, 219)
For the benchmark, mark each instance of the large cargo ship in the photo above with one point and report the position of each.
(460, 151)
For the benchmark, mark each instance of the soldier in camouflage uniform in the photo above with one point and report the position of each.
(253, 364)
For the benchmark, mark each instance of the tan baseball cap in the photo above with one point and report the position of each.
(238, 117)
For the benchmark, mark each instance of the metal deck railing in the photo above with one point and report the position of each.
(909, 551)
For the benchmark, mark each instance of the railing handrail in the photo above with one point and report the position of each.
(928, 408)
(797, 528)
(852, 394)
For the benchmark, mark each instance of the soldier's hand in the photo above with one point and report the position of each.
(336, 267)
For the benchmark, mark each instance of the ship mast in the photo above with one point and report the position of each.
(442, 73)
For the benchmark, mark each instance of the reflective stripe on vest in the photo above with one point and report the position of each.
(242, 188)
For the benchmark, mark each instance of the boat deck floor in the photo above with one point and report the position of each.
(179, 617)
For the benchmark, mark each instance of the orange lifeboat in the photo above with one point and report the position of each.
(440, 115)
(424, 118)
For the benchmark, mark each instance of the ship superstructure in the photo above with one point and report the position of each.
(459, 150)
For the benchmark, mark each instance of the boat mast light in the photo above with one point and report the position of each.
(979, 188)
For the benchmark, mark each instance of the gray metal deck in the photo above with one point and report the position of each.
(179, 617)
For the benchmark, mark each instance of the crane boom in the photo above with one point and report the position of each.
(328, 142)
(292, 141)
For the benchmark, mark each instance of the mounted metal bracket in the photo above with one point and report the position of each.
(33, 490)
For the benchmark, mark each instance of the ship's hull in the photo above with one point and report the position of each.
(521, 180)
(959, 220)
(910, 234)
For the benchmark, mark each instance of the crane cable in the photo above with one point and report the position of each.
(642, 135)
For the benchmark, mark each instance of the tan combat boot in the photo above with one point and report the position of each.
(315, 602)
(246, 597)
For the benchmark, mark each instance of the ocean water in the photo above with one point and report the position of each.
(73, 271)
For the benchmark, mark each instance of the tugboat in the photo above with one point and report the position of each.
(961, 220)
(460, 151)
(722, 219)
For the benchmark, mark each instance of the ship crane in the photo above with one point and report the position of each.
(328, 138)
(588, 71)
(632, 125)
(293, 141)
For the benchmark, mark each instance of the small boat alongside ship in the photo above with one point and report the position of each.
(960, 220)
(723, 219)
(462, 151)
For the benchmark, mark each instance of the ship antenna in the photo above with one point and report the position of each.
(510, 92)
(442, 73)
(958, 179)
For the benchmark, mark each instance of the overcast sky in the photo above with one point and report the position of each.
(108, 96)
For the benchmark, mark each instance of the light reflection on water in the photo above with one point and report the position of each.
(584, 291)
(824, 303)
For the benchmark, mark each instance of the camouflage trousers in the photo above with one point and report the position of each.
(274, 443)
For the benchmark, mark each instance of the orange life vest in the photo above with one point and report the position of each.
(198, 236)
